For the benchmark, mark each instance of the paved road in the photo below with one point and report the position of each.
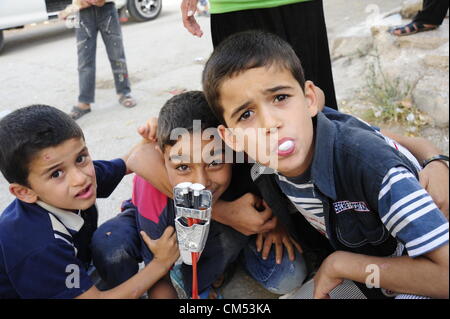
(38, 65)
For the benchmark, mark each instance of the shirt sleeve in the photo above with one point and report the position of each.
(108, 174)
(51, 272)
(409, 213)
(149, 201)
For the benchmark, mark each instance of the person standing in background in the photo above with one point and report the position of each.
(300, 22)
(94, 16)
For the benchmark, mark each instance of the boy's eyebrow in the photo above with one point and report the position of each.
(51, 168)
(278, 88)
(84, 149)
(186, 159)
(267, 91)
(179, 158)
(239, 109)
(215, 155)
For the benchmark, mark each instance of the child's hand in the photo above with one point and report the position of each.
(278, 236)
(98, 3)
(148, 130)
(69, 10)
(325, 279)
(165, 249)
(248, 214)
(434, 178)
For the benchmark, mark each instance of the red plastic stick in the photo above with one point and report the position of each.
(194, 256)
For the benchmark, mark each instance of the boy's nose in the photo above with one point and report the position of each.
(202, 178)
(78, 177)
(269, 121)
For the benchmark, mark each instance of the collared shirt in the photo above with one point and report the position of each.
(365, 177)
(44, 251)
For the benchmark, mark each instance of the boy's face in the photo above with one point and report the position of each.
(269, 102)
(64, 176)
(190, 160)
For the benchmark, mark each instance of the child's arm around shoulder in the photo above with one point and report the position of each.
(146, 159)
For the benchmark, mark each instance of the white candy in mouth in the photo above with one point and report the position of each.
(285, 146)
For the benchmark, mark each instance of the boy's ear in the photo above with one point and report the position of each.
(229, 138)
(157, 148)
(312, 98)
(23, 193)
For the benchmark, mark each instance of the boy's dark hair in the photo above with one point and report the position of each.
(243, 51)
(179, 112)
(27, 131)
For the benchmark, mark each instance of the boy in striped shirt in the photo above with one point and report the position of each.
(349, 182)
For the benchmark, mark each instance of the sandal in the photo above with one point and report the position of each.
(411, 28)
(127, 101)
(76, 112)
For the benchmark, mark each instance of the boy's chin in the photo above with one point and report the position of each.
(291, 171)
(88, 205)
(216, 197)
(85, 205)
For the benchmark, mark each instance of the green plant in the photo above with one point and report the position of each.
(390, 98)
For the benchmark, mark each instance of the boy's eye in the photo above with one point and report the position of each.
(281, 97)
(182, 168)
(215, 163)
(246, 115)
(81, 159)
(56, 174)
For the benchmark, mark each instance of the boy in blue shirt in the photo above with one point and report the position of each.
(340, 174)
(45, 233)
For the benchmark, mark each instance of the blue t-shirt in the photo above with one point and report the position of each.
(45, 254)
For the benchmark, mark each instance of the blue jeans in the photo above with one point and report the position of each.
(105, 20)
(277, 278)
(117, 249)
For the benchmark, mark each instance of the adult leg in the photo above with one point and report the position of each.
(86, 35)
(116, 248)
(301, 24)
(429, 18)
(306, 31)
(112, 37)
(433, 12)
(280, 278)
